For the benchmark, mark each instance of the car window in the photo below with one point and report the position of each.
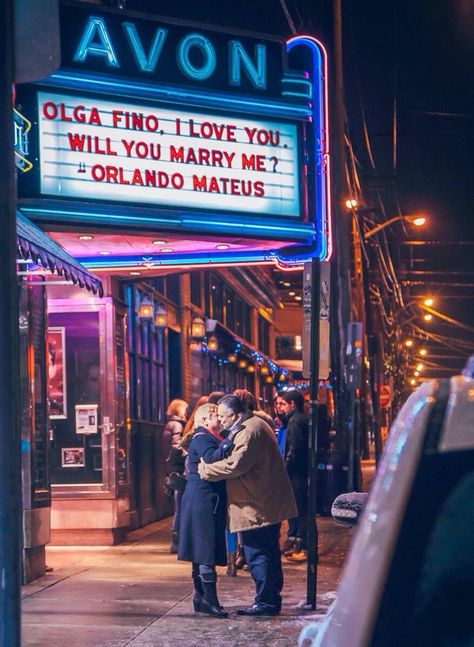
(428, 599)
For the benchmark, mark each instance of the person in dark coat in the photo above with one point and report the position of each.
(296, 459)
(175, 459)
(204, 513)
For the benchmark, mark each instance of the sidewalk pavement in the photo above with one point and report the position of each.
(138, 595)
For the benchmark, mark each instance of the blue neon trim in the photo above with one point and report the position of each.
(318, 122)
(170, 94)
(286, 231)
(185, 65)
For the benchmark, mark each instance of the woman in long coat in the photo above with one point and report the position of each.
(203, 513)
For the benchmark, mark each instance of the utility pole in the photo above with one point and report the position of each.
(10, 464)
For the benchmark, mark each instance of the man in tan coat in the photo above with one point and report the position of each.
(259, 498)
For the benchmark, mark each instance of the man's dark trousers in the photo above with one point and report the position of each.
(262, 552)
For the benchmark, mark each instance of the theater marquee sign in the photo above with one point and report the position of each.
(155, 123)
(153, 155)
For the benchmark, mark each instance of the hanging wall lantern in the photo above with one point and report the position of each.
(161, 316)
(250, 368)
(232, 358)
(264, 370)
(212, 343)
(198, 328)
(145, 309)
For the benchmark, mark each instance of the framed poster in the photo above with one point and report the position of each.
(86, 418)
(57, 388)
(73, 457)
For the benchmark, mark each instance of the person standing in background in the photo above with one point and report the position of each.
(175, 461)
(296, 459)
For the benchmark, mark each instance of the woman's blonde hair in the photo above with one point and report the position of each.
(177, 408)
(203, 413)
(189, 426)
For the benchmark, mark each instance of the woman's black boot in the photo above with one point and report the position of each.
(209, 603)
(198, 593)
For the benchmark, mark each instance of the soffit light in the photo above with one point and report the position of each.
(85, 237)
(159, 242)
(222, 246)
(166, 249)
(135, 273)
(104, 252)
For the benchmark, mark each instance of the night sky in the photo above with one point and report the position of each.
(422, 52)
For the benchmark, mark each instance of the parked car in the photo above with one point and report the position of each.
(409, 577)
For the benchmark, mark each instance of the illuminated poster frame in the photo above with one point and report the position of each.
(303, 104)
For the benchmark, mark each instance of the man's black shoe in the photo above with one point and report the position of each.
(258, 610)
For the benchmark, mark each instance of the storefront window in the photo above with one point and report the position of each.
(74, 395)
(264, 335)
(34, 410)
(146, 345)
(196, 280)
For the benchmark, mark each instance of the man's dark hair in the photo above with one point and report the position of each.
(215, 396)
(247, 398)
(296, 397)
(233, 403)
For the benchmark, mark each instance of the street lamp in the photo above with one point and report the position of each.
(418, 221)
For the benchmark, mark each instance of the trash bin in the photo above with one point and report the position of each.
(332, 480)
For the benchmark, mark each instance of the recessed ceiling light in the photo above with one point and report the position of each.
(104, 252)
(85, 237)
(298, 298)
(159, 242)
(166, 249)
(292, 294)
(135, 273)
(286, 284)
(222, 246)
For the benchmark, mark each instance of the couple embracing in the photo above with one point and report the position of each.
(242, 477)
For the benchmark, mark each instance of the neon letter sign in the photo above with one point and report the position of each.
(238, 57)
(145, 63)
(96, 27)
(208, 52)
